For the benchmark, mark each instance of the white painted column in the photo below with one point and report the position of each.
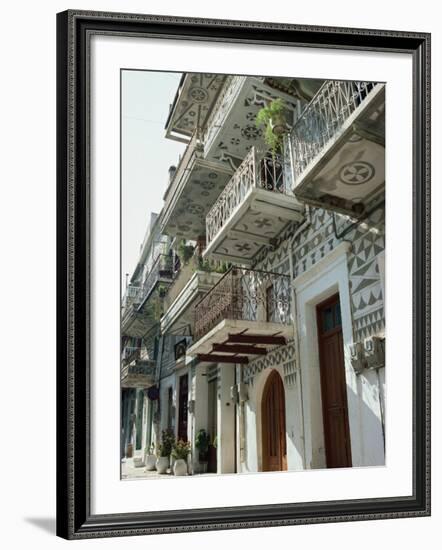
(226, 421)
(138, 424)
(198, 418)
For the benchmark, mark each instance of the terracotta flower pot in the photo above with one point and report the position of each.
(278, 124)
(129, 450)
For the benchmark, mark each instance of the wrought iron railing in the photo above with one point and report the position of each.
(131, 354)
(262, 170)
(132, 295)
(161, 271)
(244, 294)
(142, 368)
(323, 118)
(130, 351)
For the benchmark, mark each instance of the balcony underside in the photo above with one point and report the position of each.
(256, 223)
(240, 341)
(199, 187)
(137, 324)
(179, 315)
(233, 130)
(348, 175)
(192, 104)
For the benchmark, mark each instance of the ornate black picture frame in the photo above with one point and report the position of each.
(74, 518)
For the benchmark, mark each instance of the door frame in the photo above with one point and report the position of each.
(283, 436)
(182, 403)
(327, 277)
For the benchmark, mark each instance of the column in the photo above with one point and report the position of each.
(198, 411)
(226, 420)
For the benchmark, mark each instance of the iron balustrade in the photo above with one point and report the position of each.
(137, 353)
(132, 295)
(259, 170)
(244, 294)
(141, 368)
(130, 351)
(161, 271)
(324, 117)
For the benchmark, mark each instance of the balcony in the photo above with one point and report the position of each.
(217, 145)
(244, 314)
(159, 277)
(231, 129)
(253, 209)
(138, 371)
(142, 312)
(194, 187)
(131, 296)
(194, 279)
(192, 104)
(338, 145)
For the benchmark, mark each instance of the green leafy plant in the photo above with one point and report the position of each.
(185, 251)
(210, 266)
(270, 116)
(202, 442)
(180, 449)
(162, 290)
(167, 443)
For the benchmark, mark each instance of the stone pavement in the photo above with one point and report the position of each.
(128, 471)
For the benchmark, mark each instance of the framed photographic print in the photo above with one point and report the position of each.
(243, 274)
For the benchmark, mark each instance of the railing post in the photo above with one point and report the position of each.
(255, 172)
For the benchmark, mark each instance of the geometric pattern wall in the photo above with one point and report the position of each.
(367, 300)
(318, 239)
(283, 355)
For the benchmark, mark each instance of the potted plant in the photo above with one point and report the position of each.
(202, 441)
(180, 452)
(273, 118)
(185, 251)
(164, 451)
(151, 458)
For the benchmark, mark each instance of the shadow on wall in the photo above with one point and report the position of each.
(371, 433)
(367, 445)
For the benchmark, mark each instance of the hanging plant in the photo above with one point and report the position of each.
(273, 118)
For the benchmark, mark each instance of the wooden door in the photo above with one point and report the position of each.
(182, 407)
(333, 384)
(274, 446)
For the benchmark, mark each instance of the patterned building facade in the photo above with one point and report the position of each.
(265, 325)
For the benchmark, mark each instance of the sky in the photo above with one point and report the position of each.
(146, 155)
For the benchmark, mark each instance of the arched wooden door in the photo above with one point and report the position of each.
(274, 446)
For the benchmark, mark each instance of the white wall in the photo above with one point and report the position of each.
(28, 123)
(329, 276)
